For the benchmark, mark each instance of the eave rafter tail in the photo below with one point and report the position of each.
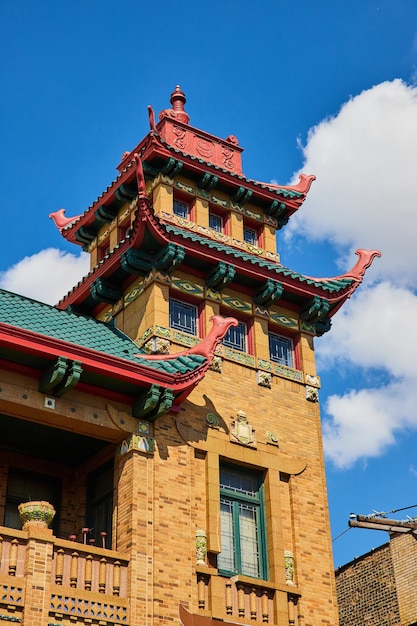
(69, 361)
(158, 391)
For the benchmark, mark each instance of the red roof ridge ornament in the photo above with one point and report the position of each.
(358, 270)
(303, 185)
(61, 221)
(206, 347)
(177, 112)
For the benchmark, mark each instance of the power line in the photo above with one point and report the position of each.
(382, 513)
(342, 533)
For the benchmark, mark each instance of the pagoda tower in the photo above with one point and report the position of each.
(180, 372)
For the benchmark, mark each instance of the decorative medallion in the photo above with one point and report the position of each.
(272, 438)
(242, 431)
(312, 394)
(314, 381)
(212, 420)
(216, 365)
(204, 147)
(264, 379)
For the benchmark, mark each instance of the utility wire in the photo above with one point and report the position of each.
(404, 508)
(342, 533)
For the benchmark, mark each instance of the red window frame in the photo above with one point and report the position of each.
(295, 338)
(250, 344)
(179, 297)
(258, 230)
(184, 200)
(225, 218)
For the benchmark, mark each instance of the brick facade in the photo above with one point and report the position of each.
(131, 550)
(379, 588)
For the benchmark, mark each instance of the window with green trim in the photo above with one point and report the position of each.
(242, 519)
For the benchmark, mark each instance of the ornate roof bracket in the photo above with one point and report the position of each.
(316, 310)
(282, 221)
(242, 195)
(149, 169)
(61, 377)
(125, 194)
(153, 403)
(105, 213)
(172, 167)
(220, 276)
(278, 210)
(85, 235)
(136, 262)
(323, 326)
(169, 257)
(208, 181)
(103, 290)
(270, 292)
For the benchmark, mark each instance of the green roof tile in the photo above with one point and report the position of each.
(37, 317)
(332, 285)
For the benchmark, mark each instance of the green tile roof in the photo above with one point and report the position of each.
(332, 285)
(37, 317)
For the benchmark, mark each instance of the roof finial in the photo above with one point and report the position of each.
(177, 112)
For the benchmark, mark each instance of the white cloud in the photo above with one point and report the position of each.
(45, 276)
(365, 196)
(365, 193)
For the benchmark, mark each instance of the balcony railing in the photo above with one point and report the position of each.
(82, 580)
(241, 599)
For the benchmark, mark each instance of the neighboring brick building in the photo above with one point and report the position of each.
(379, 588)
(185, 465)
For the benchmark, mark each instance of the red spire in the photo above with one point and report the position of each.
(177, 112)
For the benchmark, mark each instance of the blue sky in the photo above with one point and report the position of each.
(324, 87)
